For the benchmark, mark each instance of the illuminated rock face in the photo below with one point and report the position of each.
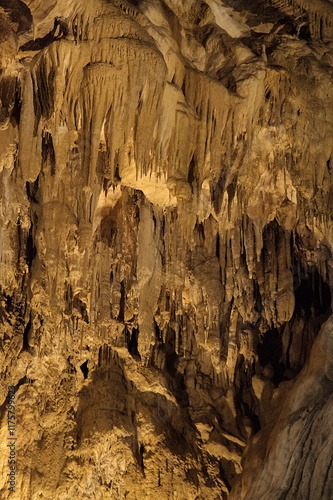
(166, 248)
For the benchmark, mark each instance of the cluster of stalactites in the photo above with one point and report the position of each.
(318, 13)
(107, 94)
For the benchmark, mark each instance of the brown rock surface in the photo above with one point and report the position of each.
(166, 248)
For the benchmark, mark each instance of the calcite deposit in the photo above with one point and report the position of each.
(166, 249)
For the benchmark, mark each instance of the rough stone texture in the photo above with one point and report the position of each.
(166, 248)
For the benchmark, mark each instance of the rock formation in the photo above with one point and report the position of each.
(166, 248)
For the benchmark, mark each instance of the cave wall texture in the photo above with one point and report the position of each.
(166, 248)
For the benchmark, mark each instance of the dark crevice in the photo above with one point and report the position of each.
(32, 190)
(243, 390)
(192, 177)
(257, 296)
(132, 342)
(60, 30)
(71, 367)
(81, 307)
(9, 303)
(117, 177)
(218, 191)
(167, 300)
(84, 369)
(142, 451)
(19, 14)
(68, 299)
(22, 381)
(312, 294)
(201, 230)
(223, 475)
(100, 357)
(19, 238)
(304, 33)
(16, 111)
(270, 351)
(158, 333)
(217, 247)
(26, 333)
(48, 153)
(122, 302)
(31, 250)
(169, 350)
